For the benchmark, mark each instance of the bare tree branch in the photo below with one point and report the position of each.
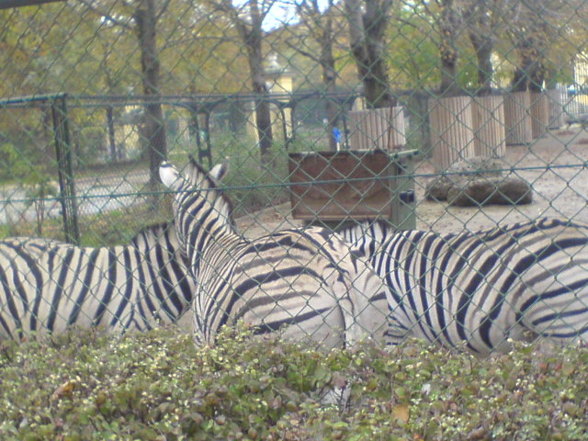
(162, 10)
(301, 51)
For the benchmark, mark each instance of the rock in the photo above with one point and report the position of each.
(479, 181)
(474, 168)
(478, 166)
(437, 189)
(499, 191)
(581, 119)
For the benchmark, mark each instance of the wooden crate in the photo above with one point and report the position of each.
(351, 185)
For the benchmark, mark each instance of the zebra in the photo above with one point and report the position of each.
(302, 284)
(49, 286)
(478, 290)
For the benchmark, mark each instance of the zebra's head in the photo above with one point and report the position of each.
(199, 206)
(193, 175)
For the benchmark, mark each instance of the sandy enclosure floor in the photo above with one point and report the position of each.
(555, 166)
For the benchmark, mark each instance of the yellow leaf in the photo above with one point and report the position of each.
(400, 412)
(65, 390)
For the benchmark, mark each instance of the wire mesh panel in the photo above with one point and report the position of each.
(444, 140)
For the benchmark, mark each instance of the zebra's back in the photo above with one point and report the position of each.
(50, 286)
(295, 283)
(481, 289)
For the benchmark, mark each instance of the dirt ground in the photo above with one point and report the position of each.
(555, 166)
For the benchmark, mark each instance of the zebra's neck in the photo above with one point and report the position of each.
(216, 240)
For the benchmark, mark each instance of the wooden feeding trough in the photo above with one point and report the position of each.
(333, 187)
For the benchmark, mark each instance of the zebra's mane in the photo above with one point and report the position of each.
(379, 231)
(200, 179)
(375, 231)
(154, 231)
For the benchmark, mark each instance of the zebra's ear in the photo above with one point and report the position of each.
(169, 175)
(218, 172)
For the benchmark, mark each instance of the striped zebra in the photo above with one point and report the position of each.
(49, 286)
(300, 283)
(477, 290)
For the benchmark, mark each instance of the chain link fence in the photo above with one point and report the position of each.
(448, 116)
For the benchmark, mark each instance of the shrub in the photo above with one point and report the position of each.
(159, 386)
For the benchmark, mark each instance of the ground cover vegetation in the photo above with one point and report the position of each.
(159, 386)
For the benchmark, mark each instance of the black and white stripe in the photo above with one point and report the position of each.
(304, 283)
(48, 286)
(480, 289)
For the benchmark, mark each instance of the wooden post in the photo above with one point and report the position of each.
(67, 191)
(381, 129)
(539, 114)
(452, 135)
(517, 118)
(488, 119)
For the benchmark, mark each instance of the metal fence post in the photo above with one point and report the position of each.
(64, 169)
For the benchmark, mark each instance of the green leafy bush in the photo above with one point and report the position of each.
(159, 386)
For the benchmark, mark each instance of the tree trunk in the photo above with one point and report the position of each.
(367, 28)
(111, 134)
(448, 86)
(529, 75)
(154, 130)
(319, 27)
(448, 24)
(538, 73)
(519, 80)
(327, 61)
(253, 37)
(194, 125)
(483, 47)
(537, 77)
(482, 35)
(332, 110)
(237, 116)
(521, 75)
(262, 110)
